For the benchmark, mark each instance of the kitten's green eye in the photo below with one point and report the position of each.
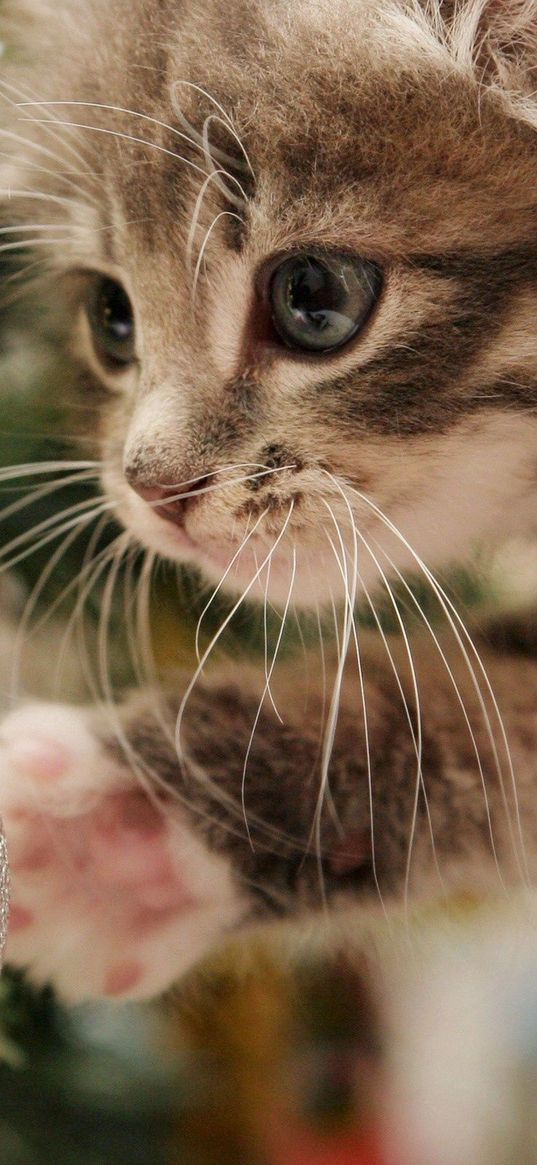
(319, 302)
(112, 323)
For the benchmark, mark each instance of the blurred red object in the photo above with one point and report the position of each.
(304, 1147)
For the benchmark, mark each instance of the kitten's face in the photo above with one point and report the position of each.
(309, 286)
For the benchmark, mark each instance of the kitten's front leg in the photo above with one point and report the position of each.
(127, 865)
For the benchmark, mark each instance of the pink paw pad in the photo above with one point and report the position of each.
(128, 842)
(19, 919)
(36, 854)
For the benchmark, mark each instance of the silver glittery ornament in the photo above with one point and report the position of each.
(4, 892)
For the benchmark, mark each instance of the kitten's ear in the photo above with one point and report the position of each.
(500, 38)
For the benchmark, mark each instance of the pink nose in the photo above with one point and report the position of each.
(169, 502)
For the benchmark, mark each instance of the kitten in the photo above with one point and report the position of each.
(298, 243)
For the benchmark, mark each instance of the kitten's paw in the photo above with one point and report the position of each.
(112, 893)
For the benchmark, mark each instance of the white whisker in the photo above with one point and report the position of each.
(350, 629)
(53, 519)
(129, 605)
(62, 200)
(118, 109)
(145, 644)
(212, 177)
(66, 176)
(145, 773)
(24, 628)
(32, 244)
(227, 120)
(265, 636)
(335, 625)
(43, 491)
(45, 152)
(60, 528)
(218, 588)
(49, 127)
(203, 248)
(50, 124)
(37, 226)
(33, 468)
(416, 733)
(225, 623)
(229, 195)
(329, 800)
(460, 701)
(219, 485)
(128, 138)
(91, 568)
(462, 636)
(21, 278)
(264, 693)
(228, 125)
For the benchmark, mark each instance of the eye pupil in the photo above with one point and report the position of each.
(112, 322)
(313, 294)
(319, 303)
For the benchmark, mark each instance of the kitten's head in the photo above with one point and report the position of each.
(301, 246)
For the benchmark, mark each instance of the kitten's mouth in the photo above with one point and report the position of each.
(243, 565)
(157, 529)
(307, 574)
